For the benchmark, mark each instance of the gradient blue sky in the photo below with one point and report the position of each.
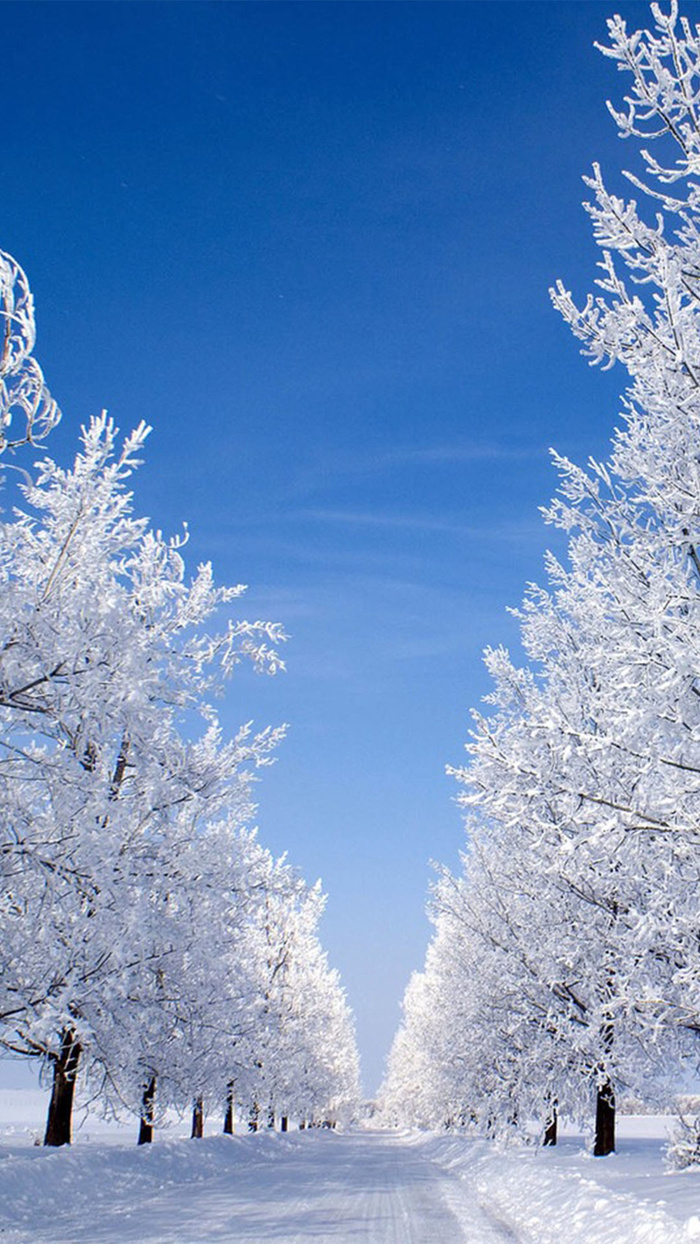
(311, 244)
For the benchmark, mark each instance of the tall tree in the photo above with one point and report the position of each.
(104, 651)
(586, 768)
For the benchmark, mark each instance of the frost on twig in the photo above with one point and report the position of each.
(27, 410)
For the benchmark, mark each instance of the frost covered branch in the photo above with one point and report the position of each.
(28, 412)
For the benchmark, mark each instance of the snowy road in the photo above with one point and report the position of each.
(369, 1188)
(363, 1188)
(360, 1188)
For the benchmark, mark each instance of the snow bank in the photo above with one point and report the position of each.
(565, 1196)
(113, 1194)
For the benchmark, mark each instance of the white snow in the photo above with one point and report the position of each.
(565, 1196)
(363, 1187)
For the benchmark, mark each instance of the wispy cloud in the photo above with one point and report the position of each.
(299, 540)
(369, 518)
(338, 467)
(448, 452)
(420, 522)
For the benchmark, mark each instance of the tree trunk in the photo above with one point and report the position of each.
(284, 1123)
(550, 1127)
(605, 1097)
(228, 1117)
(197, 1119)
(65, 1069)
(271, 1118)
(253, 1117)
(604, 1121)
(146, 1125)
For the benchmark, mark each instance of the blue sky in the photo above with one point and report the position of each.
(311, 244)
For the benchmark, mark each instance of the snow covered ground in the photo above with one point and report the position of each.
(565, 1196)
(365, 1187)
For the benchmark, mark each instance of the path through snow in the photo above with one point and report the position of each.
(322, 1188)
(361, 1188)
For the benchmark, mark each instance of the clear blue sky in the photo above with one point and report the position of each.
(311, 244)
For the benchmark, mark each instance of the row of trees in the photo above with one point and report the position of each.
(566, 960)
(147, 940)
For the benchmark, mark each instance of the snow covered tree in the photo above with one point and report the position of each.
(105, 651)
(136, 937)
(303, 1060)
(506, 1018)
(584, 775)
(596, 751)
(193, 994)
(424, 1085)
(27, 410)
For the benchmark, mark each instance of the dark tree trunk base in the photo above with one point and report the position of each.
(197, 1119)
(146, 1124)
(65, 1069)
(228, 1117)
(604, 1121)
(550, 1128)
(284, 1123)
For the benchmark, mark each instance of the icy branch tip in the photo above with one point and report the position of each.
(25, 400)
